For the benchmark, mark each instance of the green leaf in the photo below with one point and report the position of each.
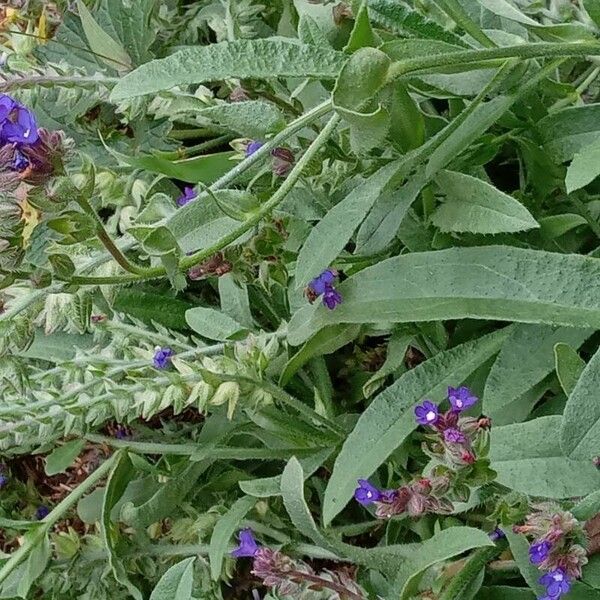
(205, 168)
(442, 546)
(588, 507)
(254, 118)
(528, 458)
(359, 82)
(34, 566)
(326, 341)
(292, 490)
(584, 168)
(593, 9)
(526, 358)
(150, 306)
(503, 8)
(581, 419)
(554, 226)
(169, 496)
(100, 42)
(475, 124)
(62, 458)
(115, 487)
(389, 419)
(241, 59)
(569, 131)
(569, 366)
(310, 32)
(491, 282)
(519, 547)
(234, 300)
(177, 582)
(402, 19)
(394, 361)
(380, 227)
(407, 129)
(476, 206)
(212, 324)
(362, 33)
(224, 529)
(328, 238)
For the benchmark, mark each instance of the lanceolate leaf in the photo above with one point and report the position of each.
(492, 282)
(476, 206)
(389, 419)
(256, 59)
(585, 167)
(528, 458)
(526, 358)
(569, 366)
(331, 234)
(581, 420)
(176, 583)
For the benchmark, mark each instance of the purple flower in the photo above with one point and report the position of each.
(496, 535)
(427, 413)
(247, 546)
(121, 432)
(20, 127)
(557, 583)
(20, 162)
(189, 194)
(7, 105)
(366, 493)
(539, 552)
(42, 512)
(320, 284)
(454, 436)
(162, 357)
(3, 480)
(461, 398)
(283, 159)
(252, 147)
(331, 297)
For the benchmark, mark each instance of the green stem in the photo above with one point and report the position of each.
(464, 57)
(41, 80)
(106, 240)
(191, 449)
(457, 13)
(477, 561)
(267, 208)
(37, 536)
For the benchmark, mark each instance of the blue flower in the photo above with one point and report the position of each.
(189, 194)
(162, 357)
(20, 127)
(331, 297)
(20, 162)
(247, 546)
(366, 493)
(557, 583)
(252, 147)
(42, 512)
(496, 535)
(427, 413)
(3, 480)
(539, 552)
(461, 398)
(7, 105)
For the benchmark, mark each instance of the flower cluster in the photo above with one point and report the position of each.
(456, 436)
(162, 358)
(27, 153)
(323, 285)
(293, 578)
(556, 547)
(415, 499)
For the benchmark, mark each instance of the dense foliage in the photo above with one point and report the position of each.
(299, 299)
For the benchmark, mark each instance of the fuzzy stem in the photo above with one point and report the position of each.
(106, 240)
(38, 534)
(473, 566)
(464, 57)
